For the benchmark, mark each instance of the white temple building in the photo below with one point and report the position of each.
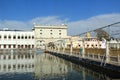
(35, 38)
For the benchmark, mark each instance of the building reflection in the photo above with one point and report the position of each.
(46, 66)
(17, 63)
(41, 65)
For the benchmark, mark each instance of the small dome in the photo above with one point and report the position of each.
(88, 34)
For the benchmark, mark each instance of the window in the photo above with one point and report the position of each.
(9, 37)
(9, 46)
(25, 37)
(59, 30)
(25, 46)
(40, 33)
(92, 45)
(32, 46)
(50, 30)
(14, 66)
(4, 46)
(14, 46)
(9, 57)
(0, 37)
(29, 46)
(9, 66)
(32, 37)
(18, 37)
(21, 46)
(22, 37)
(18, 46)
(87, 45)
(51, 33)
(59, 33)
(40, 29)
(5, 37)
(29, 37)
(4, 57)
(14, 57)
(21, 56)
(14, 37)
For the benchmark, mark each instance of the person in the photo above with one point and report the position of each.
(103, 43)
(81, 49)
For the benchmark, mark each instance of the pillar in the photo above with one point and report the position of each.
(107, 53)
(83, 52)
(71, 48)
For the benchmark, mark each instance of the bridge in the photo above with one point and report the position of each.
(106, 58)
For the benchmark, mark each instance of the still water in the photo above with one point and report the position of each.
(43, 67)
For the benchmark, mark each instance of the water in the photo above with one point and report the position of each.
(43, 67)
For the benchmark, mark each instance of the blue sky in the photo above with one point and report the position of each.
(60, 11)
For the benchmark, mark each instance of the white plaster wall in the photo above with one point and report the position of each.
(16, 41)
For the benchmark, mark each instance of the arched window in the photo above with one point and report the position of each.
(18, 37)
(9, 37)
(25, 37)
(29, 46)
(14, 46)
(21, 56)
(21, 46)
(25, 46)
(9, 46)
(4, 46)
(5, 37)
(29, 37)
(14, 37)
(87, 45)
(0, 36)
(14, 57)
(22, 37)
(4, 57)
(14, 66)
(9, 57)
(18, 66)
(59, 33)
(92, 45)
(18, 46)
(9, 66)
(32, 37)
(4, 66)
(32, 46)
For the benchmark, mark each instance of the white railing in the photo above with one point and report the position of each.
(114, 60)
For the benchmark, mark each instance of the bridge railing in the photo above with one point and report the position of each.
(92, 54)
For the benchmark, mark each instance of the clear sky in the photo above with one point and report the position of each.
(74, 10)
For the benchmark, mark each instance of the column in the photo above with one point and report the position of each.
(71, 48)
(107, 53)
(83, 51)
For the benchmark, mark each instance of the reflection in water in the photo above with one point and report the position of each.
(48, 66)
(43, 67)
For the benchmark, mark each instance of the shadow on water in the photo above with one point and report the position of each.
(43, 66)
